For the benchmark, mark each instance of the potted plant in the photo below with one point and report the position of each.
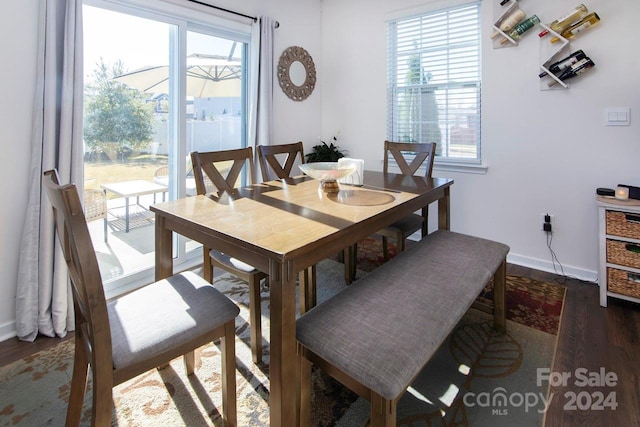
(325, 152)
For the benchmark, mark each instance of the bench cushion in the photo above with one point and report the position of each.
(386, 326)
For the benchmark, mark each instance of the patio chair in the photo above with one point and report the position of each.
(420, 154)
(138, 331)
(161, 176)
(206, 164)
(95, 207)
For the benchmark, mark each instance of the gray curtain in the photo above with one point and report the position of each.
(261, 90)
(44, 302)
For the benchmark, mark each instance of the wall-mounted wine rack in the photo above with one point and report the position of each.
(553, 56)
(550, 53)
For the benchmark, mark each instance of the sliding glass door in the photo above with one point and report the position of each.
(158, 85)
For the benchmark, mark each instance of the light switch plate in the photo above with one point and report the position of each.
(617, 116)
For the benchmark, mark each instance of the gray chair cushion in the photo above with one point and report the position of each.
(163, 315)
(407, 224)
(386, 326)
(225, 259)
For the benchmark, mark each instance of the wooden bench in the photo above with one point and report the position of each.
(377, 335)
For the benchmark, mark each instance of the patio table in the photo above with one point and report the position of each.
(135, 188)
(283, 227)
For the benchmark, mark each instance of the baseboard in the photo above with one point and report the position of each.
(543, 265)
(548, 266)
(7, 330)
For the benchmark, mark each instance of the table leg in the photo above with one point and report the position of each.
(126, 214)
(444, 220)
(282, 370)
(163, 255)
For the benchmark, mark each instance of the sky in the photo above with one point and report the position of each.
(138, 42)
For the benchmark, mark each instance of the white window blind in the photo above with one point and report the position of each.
(434, 81)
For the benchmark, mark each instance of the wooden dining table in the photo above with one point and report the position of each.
(284, 227)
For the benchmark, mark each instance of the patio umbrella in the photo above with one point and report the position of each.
(208, 76)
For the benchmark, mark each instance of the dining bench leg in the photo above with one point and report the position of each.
(499, 300)
(383, 411)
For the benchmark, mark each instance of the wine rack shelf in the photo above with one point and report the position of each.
(501, 38)
(549, 54)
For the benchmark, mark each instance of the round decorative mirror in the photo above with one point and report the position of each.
(296, 73)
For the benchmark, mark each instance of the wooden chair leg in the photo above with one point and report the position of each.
(400, 243)
(385, 248)
(102, 395)
(425, 224)
(308, 291)
(255, 319)
(228, 365)
(207, 265)
(78, 384)
(304, 394)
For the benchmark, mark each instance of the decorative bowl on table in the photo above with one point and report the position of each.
(328, 173)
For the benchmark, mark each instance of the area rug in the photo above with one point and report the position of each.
(477, 378)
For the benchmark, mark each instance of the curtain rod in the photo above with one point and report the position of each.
(255, 19)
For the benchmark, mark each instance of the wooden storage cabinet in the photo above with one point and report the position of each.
(619, 239)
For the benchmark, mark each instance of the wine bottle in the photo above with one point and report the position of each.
(509, 22)
(562, 23)
(585, 23)
(575, 70)
(522, 27)
(564, 63)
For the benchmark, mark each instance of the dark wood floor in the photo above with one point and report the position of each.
(591, 338)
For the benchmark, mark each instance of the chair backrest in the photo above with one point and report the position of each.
(424, 154)
(214, 164)
(280, 158)
(92, 320)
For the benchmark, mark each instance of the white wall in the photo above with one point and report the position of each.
(546, 151)
(299, 25)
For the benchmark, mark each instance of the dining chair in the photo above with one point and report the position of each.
(223, 168)
(279, 159)
(419, 154)
(121, 338)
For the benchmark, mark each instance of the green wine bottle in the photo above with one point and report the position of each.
(522, 27)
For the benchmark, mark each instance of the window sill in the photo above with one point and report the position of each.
(479, 169)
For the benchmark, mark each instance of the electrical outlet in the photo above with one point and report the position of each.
(547, 222)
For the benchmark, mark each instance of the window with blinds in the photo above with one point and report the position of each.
(434, 81)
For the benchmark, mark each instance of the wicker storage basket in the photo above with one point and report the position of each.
(623, 253)
(623, 224)
(623, 282)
